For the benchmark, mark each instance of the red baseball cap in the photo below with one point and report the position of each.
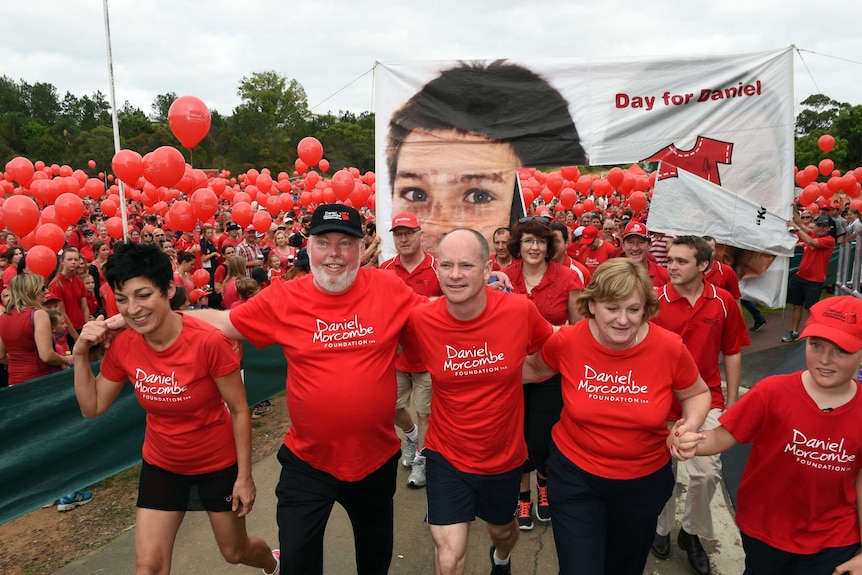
(636, 229)
(51, 296)
(405, 220)
(589, 234)
(837, 319)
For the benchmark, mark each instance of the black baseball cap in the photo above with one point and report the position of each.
(336, 218)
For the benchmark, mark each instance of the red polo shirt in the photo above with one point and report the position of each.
(723, 276)
(713, 325)
(815, 260)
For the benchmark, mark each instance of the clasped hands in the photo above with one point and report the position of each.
(682, 441)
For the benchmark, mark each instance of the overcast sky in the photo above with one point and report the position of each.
(330, 47)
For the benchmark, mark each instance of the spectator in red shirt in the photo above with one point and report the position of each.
(636, 243)
(806, 285)
(419, 270)
(73, 294)
(501, 256)
(594, 250)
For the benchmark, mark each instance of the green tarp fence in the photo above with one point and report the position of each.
(48, 449)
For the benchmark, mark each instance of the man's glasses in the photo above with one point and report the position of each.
(543, 219)
(404, 234)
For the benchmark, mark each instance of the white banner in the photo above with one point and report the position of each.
(450, 135)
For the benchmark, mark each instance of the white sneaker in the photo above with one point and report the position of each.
(408, 452)
(417, 475)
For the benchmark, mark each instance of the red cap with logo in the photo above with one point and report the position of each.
(405, 220)
(837, 319)
(589, 234)
(636, 229)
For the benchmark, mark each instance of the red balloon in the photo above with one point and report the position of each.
(218, 185)
(165, 166)
(115, 227)
(300, 166)
(49, 216)
(109, 208)
(69, 209)
(826, 143)
(342, 184)
(65, 171)
(264, 183)
(41, 260)
(241, 214)
(273, 205)
(92, 164)
(187, 182)
(286, 202)
(554, 182)
(323, 165)
(638, 201)
(568, 197)
(51, 236)
(615, 177)
(261, 220)
(310, 151)
(801, 179)
(571, 173)
(95, 188)
(578, 210)
(547, 195)
(205, 204)
(189, 119)
(183, 216)
(200, 278)
(128, 165)
(826, 166)
(811, 172)
(602, 187)
(589, 205)
(21, 169)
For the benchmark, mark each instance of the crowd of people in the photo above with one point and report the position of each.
(586, 351)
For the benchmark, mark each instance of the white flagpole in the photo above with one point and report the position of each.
(114, 120)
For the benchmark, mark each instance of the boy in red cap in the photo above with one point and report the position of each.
(798, 498)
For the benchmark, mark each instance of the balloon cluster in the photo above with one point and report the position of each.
(816, 193)
(567, 189)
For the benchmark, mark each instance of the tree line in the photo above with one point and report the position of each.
(263, 130)
(272, 117)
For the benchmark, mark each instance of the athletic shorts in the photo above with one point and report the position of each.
(417, 384)
(803, 292)
(167, 491)
(458, 497)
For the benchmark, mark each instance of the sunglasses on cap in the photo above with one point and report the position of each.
(543, 219)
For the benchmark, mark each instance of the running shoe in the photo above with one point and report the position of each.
(525, 515)
(408, 452)
(543, 507)
(417, 475)
(75, 499)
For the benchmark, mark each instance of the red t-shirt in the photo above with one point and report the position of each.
(815, 260)
(797, 490)
(184, 244)
(423, 280)
(615, 402)
(71, 291)
(551, 296)
(724, 277)
(189, 427)
(477, 408)
(593, 258)
(713, 326)
(341, 385)
(17, 332)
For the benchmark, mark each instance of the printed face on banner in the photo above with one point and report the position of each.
(449, 179)
(454, 136)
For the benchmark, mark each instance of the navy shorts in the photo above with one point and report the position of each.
(458, 497)
(167, 491)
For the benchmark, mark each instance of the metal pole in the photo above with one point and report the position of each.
(114, 121)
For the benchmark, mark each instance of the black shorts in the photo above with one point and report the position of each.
(803, 292)
(458, 497)
(167, 491)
